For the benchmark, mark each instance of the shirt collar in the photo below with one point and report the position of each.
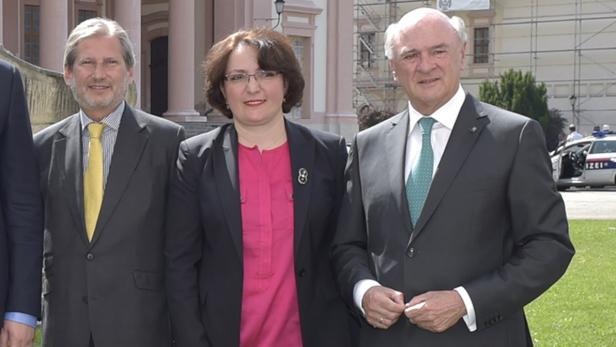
(446, 115)
(111, 121)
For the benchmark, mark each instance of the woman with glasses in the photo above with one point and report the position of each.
(253, 210)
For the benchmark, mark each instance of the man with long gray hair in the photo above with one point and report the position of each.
(104, 174)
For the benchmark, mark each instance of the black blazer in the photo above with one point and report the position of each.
(21, 211)
(492, 222)
(111, 287)
(204, 239)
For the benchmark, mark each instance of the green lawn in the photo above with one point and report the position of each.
(580, 309)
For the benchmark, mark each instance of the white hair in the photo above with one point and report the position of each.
(394, 29)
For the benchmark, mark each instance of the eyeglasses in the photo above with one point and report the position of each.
(240, 78)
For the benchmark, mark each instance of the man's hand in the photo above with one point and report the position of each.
(435, 311)
(382, 306)
(15, 334)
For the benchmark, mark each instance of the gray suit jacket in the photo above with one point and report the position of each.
(492, 222)
(111, 287)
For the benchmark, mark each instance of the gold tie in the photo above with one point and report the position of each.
(93, 178)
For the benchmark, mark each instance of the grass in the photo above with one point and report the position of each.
(580, 309)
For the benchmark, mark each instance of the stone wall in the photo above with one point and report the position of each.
(49, 98)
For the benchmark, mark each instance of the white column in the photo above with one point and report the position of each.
(181, 61)
(339, 100)
(1, 24)
(128, 15)
(54, 30)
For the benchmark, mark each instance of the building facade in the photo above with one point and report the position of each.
(568, 45)
(172, 37)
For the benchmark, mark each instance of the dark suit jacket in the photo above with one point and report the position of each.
(21, 210)
(112, 287)
(492, 222)
(204, 239)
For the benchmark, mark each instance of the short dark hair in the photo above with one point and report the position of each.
(274, 53)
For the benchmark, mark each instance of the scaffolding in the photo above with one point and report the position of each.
(572, 63)
(374, 84)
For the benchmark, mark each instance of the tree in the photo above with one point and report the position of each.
(368, 117)
(554, 134)
(519, 92)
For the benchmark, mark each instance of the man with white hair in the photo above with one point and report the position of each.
(451, 222)
(104, 174)
(573, 133)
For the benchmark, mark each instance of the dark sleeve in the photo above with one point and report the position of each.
(180, 135)
(339, 156)
(539, 231)
(349, 250)
(183, 242)
(340, 160)
(21, 205)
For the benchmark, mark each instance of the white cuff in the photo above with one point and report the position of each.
(360, 289)
(469, 318)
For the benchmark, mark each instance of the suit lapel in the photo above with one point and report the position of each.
(227, 183)
(69, 147)
(301, 150)
(470, 123)
(130, 143)
(396, 138)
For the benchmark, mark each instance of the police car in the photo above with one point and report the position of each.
(590, 161)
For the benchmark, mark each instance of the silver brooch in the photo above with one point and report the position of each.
(302, 176)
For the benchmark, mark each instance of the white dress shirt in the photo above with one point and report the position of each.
(574, 136)
(445, 118)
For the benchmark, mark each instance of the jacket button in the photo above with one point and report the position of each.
(90, 256)
(301, 273)
(410, 252)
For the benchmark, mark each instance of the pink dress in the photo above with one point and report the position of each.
(270, 312)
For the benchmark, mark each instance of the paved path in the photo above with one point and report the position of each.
(590, 203)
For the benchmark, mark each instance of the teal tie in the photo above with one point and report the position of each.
(419, 180)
